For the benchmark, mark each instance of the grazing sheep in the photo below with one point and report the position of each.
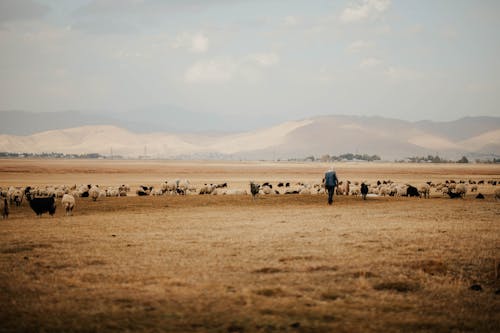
(94, 192)
(83, 191)
(461, 189)
(343, 188)
(68, 202)
(183, 186)
(207, 189)
(254, 189)
(425, 190)
(17, 196)
(412, 191)
(143, 190)
(454, 195)
(4, 207)
(364, 190)
(40, 205)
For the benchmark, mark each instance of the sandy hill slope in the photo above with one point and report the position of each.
(334, 135)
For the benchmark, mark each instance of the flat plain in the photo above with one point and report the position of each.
(232, 264)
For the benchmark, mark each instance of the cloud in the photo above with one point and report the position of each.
(264, 59)
(211, 71)
(403, 74)
(291, 21)
(366, 10)
(12, 10)
(196, 43)
(199, 43)
(359, 45)
(369, 63)
(249, 68)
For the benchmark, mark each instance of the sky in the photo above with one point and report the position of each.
(258, 59)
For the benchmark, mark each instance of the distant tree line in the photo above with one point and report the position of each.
(350, 157)
(437, 159)
(55, 155)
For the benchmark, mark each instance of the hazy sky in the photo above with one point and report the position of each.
(411, 59)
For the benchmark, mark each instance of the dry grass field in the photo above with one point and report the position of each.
(230, 264)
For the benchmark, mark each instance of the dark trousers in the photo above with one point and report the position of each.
(330, 190)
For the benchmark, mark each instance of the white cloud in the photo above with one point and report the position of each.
(359, 45)
(367, 9)
(403, 74)
(249, 68)
(369, 63)
(199, 43)
(196, 43)
(265, 59)
(291, 21)
(212, 71)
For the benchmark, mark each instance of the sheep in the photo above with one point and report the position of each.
(112, 192)
(182, 186)
(123, 190)
(207, 189)
(40, 205)
(412, 191)
(236, 192)
(68, 202)
(461, 189)
(254, 189)
(16, 196)
(454, 195)
(157, 192)
(473, 188)
(343, 188)
(266, 188)
(94, 193)
(4, 207)
(143, 190)
(83, 191)
(364, 190)
(425, 190)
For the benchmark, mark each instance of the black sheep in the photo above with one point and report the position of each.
(454, 195)
(41, 205)
(412, 191)
(364, 190)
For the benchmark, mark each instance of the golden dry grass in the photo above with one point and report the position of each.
(230, 264)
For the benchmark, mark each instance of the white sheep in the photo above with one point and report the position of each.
(425, 190)
(461, 189)
(68, 202)
(207, 189)
(94, 192)
(182, 186)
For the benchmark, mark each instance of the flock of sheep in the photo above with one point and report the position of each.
(43, 198)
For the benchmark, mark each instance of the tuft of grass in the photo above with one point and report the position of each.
(431, 266)
(322, 268)
(268, 270)
(398, 286)
(330, 296)
(271, 292)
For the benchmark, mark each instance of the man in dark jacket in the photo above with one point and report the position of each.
(330, 183)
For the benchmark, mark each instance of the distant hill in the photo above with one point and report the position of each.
(389, 138)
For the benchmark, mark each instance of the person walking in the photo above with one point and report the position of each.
(330, 183)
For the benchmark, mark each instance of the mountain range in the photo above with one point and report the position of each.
(476, 137)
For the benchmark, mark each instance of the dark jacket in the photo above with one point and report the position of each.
(331, 178)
